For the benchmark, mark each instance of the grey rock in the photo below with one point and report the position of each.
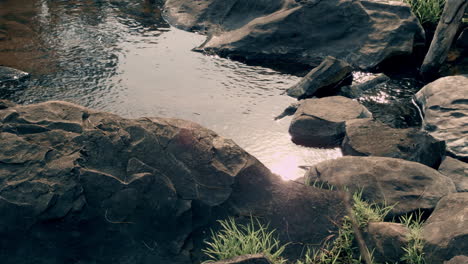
(88, 186)
(246, 259)
(407, 185)
(457, 171)
(386, 241)
(323, 79)
(356, 91)
(373, 138)
(444, 103)
(446, 230)
(321, 122)
(301, 32)
(8, 74)
(457, 260)
(447, 28)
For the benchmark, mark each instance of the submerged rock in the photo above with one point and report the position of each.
(444, 103)
(457, 171)
(407, 185)
(446, 231)
(301, 32)
(8, 74)
(321, 122)
(324, 79)
(356, 91)
(77, 185)
(373, 138)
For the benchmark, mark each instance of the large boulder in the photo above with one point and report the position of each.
(406, 185)
(322, 80)
(372, 138)
(321, 122)
(362, 33)
(457, 171)
(81, 186)
(446, 231)
(444, 103)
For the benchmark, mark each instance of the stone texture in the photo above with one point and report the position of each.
(445, 106)
(324, 79)
(407, 185)
(321, 122)
(301, 32)
(373, 138)
(457, 260)
(446, 230)
(457, 171)
(81, 186)
(386, 241)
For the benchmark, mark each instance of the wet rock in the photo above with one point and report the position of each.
(324, 79)
(289, 111)
(457, 171)
(321, 122)
(444, 103)
(373, 138)
(457, 260)
(407, 185)
(356, 91)
(386, 241)
(75, 183)
(8, 74)
(446, 230)
(462, 41)
(246, 259)
(301, 32)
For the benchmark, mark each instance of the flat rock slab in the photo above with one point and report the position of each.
(457, 171)
(373, 138)
(321, 122)
(324, 79)
(407, 185)
(445, 106)
(446, 230)
(300, 32)
(8, 74)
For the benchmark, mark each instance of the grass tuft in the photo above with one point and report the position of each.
(414, 251)
(427, 11)
(235, 240)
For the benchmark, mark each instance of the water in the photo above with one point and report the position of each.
(121, 57)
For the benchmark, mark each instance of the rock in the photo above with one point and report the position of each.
(407, 185)
(386, 241)
(324, 79)
(356, 91)
(367, 137)
(82, 186)
(447, 28)
(321, 122)
(446, 230)
(457, 171)
(301, 32)
(457, 260)
(246, 259)
(8, 74)
(289, 111)
(462, 41)
(445, 106)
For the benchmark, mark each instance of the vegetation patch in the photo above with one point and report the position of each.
(427, 11)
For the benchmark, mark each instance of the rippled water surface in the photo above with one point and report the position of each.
(121, 57)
